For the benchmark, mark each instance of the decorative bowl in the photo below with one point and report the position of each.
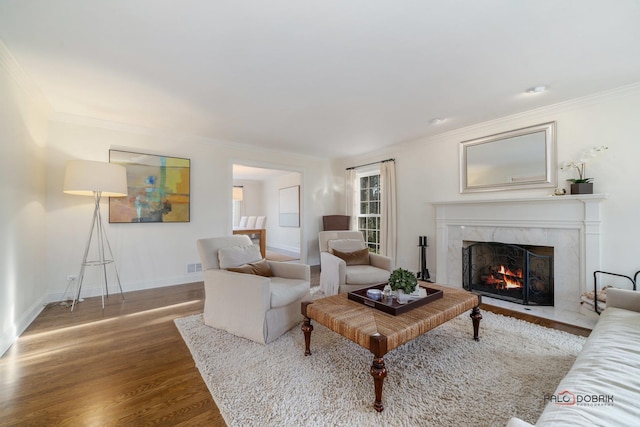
(374, 294)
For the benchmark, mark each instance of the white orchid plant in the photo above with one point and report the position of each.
(580, 165)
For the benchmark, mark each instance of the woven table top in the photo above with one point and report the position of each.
(360, 323)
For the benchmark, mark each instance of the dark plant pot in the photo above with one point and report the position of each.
(582, 188)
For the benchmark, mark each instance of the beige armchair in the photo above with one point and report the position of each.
(346, 266)
(253, 306)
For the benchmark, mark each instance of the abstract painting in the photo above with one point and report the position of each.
(158, 189)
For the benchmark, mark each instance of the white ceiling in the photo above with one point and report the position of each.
(322, 77)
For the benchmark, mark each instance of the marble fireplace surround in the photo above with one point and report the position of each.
(570, 224)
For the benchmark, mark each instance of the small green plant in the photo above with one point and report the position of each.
(403, 279)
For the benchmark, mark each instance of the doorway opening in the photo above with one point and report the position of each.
(257, 204)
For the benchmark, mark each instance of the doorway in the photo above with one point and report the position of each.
(258, 192)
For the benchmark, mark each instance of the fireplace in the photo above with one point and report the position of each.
(518, 273)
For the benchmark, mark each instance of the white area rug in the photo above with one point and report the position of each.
(442, 378)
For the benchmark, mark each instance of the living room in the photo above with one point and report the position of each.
(45, 230)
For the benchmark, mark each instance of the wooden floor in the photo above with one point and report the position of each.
(126, 365)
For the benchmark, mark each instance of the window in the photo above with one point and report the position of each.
(369, 209)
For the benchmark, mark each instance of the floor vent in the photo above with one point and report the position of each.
(194, 268)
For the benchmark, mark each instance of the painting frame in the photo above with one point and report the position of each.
(158, 189)
(289, 207)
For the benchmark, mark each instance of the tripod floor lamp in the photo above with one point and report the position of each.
(97, 179)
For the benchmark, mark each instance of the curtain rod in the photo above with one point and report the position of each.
(372, 163)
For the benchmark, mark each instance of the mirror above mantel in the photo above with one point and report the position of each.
(517, 159)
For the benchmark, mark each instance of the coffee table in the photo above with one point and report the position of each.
(380, 332)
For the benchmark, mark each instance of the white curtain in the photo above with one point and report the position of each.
(388, 229)
(351, 185)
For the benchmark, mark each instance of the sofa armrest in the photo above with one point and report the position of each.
(380, 261)
(289, 270)
(623, 298)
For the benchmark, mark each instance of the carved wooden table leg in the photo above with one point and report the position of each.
(307, 327)
(476, 316)
(378, 346)
(379, 372)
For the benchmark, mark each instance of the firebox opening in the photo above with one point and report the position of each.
(516, 273)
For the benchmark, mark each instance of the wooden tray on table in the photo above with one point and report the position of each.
(391, 305)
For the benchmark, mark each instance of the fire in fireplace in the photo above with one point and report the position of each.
(521, 274)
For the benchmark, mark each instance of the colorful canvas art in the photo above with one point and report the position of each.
(158, 187)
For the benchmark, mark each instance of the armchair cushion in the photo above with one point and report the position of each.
(358, 257)
(259, 268)
(345, 245)
(235, 256)
(366, 275)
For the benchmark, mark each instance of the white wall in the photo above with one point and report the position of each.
(23, 132)
(253, 203)
(156, 254)
(427, 171)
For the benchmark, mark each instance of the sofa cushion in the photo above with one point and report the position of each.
(259, 268)
(359, 257)
(366, 274)
(236, 256)
(285, 291)
(345, 245)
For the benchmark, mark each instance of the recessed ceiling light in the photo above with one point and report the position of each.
(436, 121)
(537, 89)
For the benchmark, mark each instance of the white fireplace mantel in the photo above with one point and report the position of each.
(570, 224)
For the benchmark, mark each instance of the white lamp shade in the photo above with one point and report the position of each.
(86, 177)
(238, 193)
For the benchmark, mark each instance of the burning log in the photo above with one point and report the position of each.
(503, 278)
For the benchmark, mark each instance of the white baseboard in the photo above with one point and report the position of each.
(95, 290)
(10, 335)
(285, 248)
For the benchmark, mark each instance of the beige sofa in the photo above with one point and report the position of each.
(602, 387)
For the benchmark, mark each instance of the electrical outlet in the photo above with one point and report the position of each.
(71, 277)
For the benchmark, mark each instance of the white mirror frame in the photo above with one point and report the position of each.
(542, 135)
